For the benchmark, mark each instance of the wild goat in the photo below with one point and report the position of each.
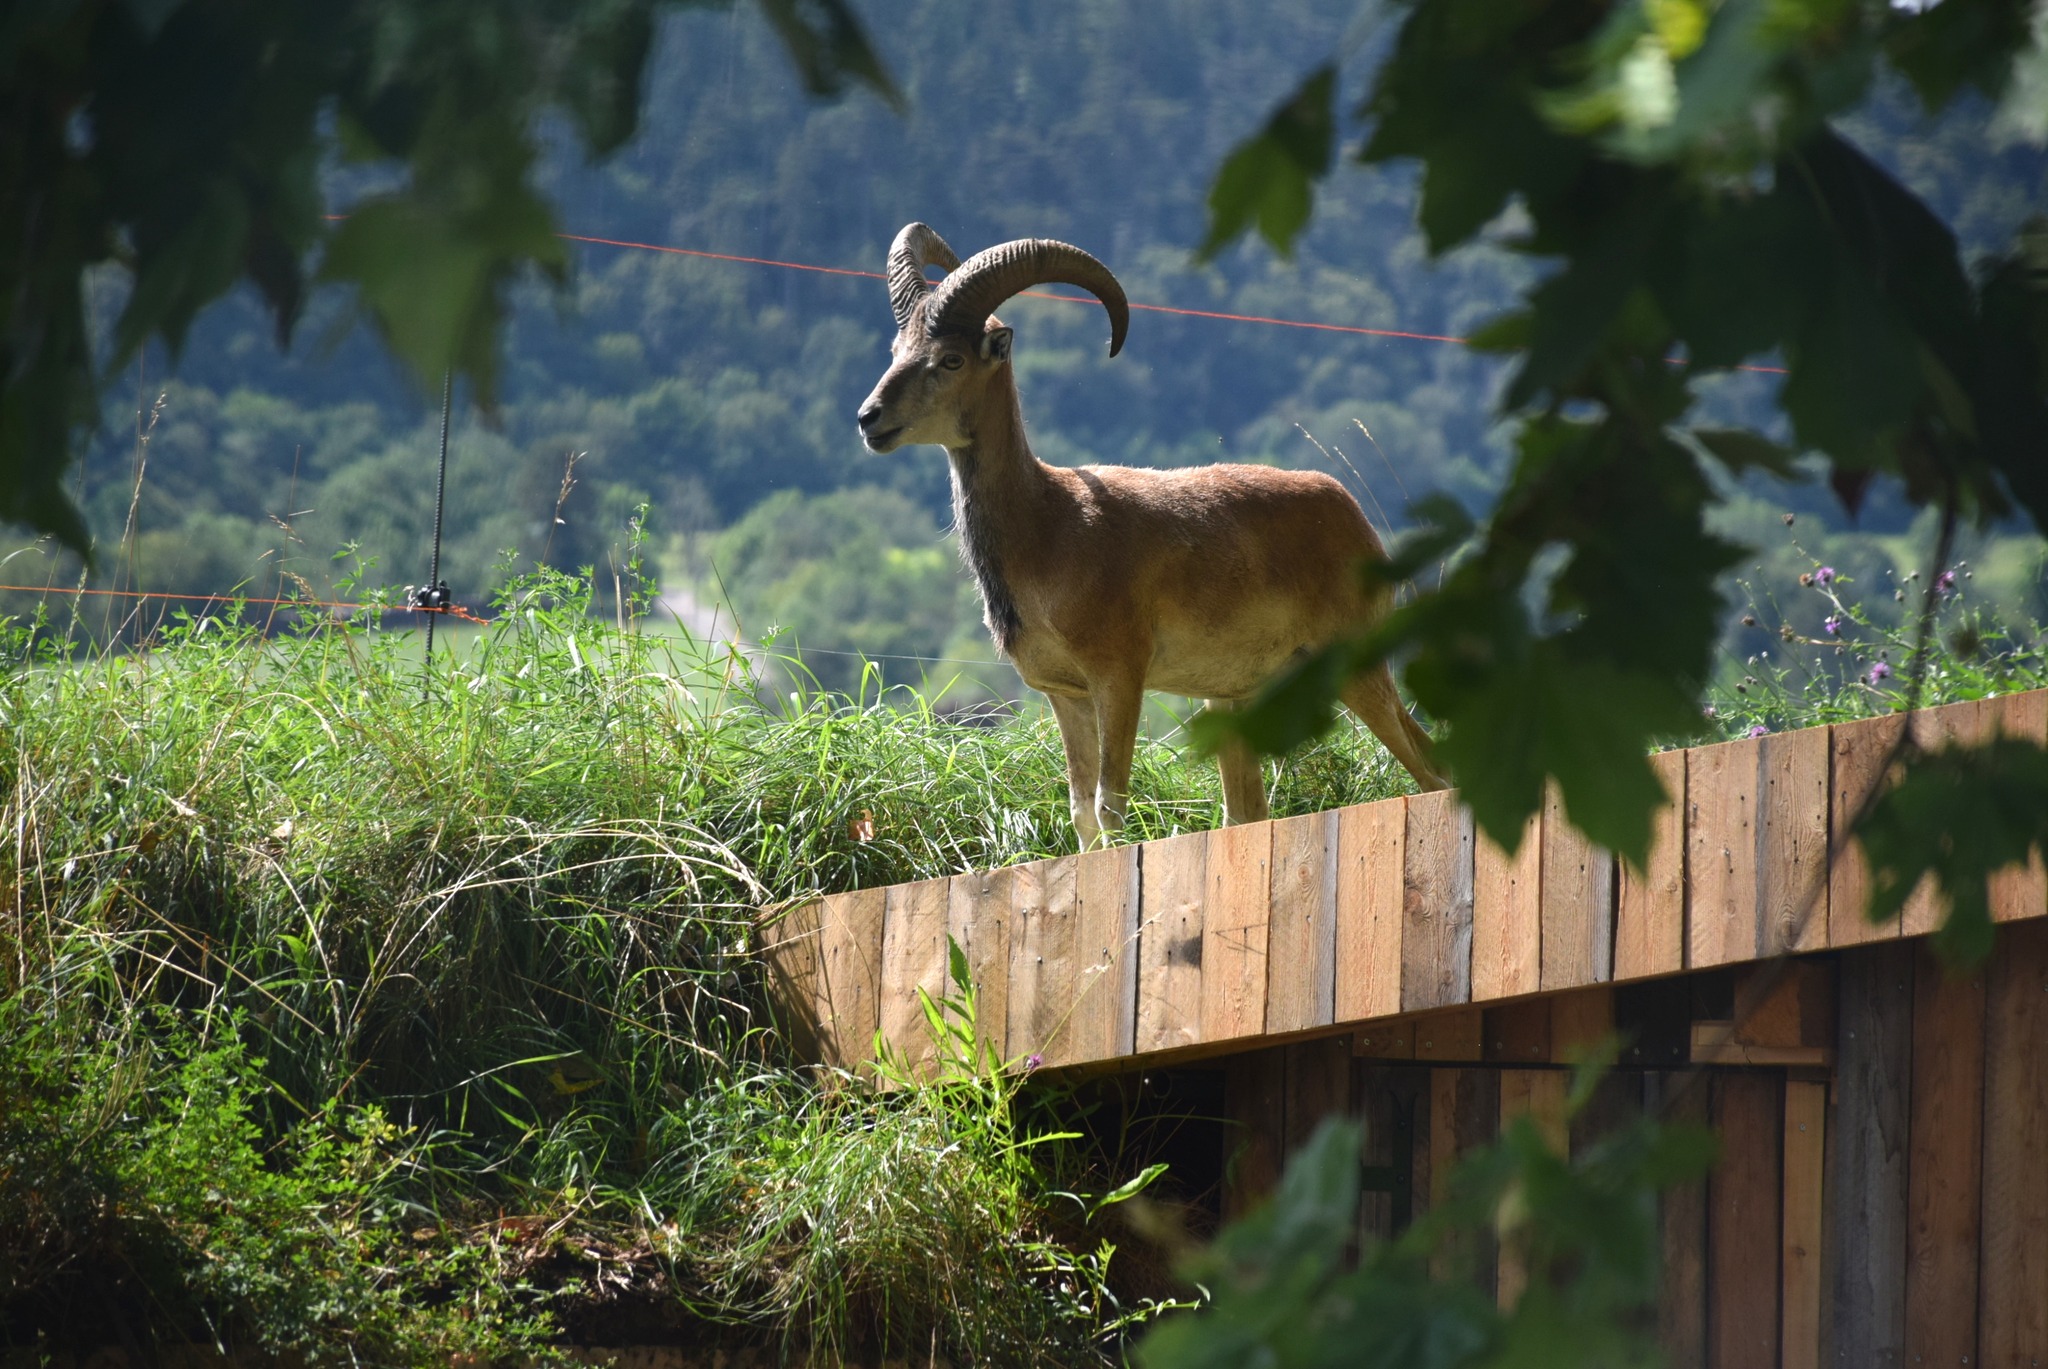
(1102, 582)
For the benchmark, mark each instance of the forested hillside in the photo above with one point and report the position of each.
(707, 388)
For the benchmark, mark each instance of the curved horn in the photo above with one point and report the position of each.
(915, 248)
(965, 299)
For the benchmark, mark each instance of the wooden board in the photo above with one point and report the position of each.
(1937, 729)
(1302, 939)
(789, 951)
(1464, 1114)
(1944, 1169)
(1860, 749)
(1455, 1035)
(1743, 1227)
(1721, 843)
(913, 958)
(1649, 916)
(2013, 1328)
(849, 976)
(1579, 1020)
(1234, 931)
(1436, 914)
(1386, 1040)
(1383, 1100)
(1540, 1096)
(1519, 1033)
(1318, 1086)
(1254, 1144)
(2020, 892)
(1102, 1022)
(1682, 1231)
(978, 918)
(1371, 839)
(1507, 916)
(1175, 879)
(1805, 1154)
(1792, 841)
(1044, 941)
(1578, 903)
(1867, 1154)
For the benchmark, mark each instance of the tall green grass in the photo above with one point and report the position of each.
(498, 915)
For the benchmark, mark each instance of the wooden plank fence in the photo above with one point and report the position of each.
(1217, 941)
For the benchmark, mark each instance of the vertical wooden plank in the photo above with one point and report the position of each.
(1371, 838)
(2020, 892)
(1507, 916)
(1649, 918)
(789, 949)
(1682, 1234)
(1174, 882)
(1436, 915)
(850, 976)
(1235, 922)
(1792, 842)
(1578, 903)
(913, 958)
(978, 917)
(1254, 1099)
(1302, 941)
(1540, 1096)
(1384, 1156)
(1867, 1149)
(1860, 749)
(1101, 1013)
(1464, 1108)
(1806, 1107)
(1721, 910)
(1743, 1229)
(1044, 956)
(1944, 1167)
(2013, 1329)
(1936, 729)
(1318, 1086)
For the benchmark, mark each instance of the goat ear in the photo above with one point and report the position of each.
(995, 344)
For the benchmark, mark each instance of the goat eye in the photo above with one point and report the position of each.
(953, 361)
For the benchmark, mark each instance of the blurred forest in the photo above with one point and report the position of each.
(721, 394)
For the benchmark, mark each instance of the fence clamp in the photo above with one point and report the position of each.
(432, 598)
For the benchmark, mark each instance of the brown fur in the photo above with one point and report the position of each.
(1104, 581)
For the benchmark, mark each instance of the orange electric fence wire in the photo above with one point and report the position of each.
(452, 610)
(1063, 299)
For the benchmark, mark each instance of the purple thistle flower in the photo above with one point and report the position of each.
(1879, 671)
(1759, 730)
(1824, 577)
(1832, 624)
(1945, 583)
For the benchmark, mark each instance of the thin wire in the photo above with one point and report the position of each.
(1218, 314)
(452, 610)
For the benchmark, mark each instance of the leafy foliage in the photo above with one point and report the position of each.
(1678, 165)
(186, 141)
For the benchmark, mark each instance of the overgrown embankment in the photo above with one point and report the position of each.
(359, 1012)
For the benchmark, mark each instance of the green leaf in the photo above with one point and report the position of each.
(830, 48)
(1958, 815)
(1739, 449)
(1270, 178)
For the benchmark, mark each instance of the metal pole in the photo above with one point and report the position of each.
(440, 498)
